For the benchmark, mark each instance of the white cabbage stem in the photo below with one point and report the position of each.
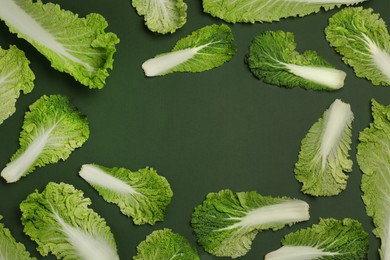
(332, 78)
(94, 175)
(338, 118)
(298, 253)
(289, 211)
(380, 57)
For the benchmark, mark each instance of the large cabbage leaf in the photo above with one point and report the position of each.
(361, 37)
(373, 158)
(330, 239)
(60, 221)
(162, 16)
(51, 130)
(9, 248)
(250, 11)
(272, 57)
(324, 156)
(164, 244)
(143, 195)
(204, 49)
(78, 46)
(15, 77)
(226, 223)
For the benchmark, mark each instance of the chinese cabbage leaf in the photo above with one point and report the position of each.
(361, 37)
(250, 11)
(51, 130)
(324, 156)
(143, 195)
(162, 16)
(15, 77)
(272, 57)
(225, 223)
(373, 158)
(60, 221)
(78, 46)
(204, 49)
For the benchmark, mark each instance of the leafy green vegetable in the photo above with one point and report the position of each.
(60, 221)
(165, 245)
(143, 195)
(9, 248)
(52, 129)
(226, 223)
(250, 11)
(15, 76)
(272, 57)
(330, 239)
(361, 37)
(78, 46)
(323, 158)
(204, 49)
(162, 16)
(373, 158)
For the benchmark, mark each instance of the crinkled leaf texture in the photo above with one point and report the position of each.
(9, 248)
(330, 239)
(15, 77)
(272, 57)
(250, 11)
(162, 16)
(226, 223)
(373, 158)
(204, 49)
(60, 221)
(164, 244)
(361, 37)
(51, 130)
(78, 46)
(143, 195)
(324, 156)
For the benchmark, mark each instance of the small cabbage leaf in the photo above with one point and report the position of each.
(78, 46)
(373, 158)
(204, 49)
(225, 223)
(324, 156)
(143, 195)
(361, 37)
(272, 57)
(15, 77)
(60, 221)
(162, 16)
(9, 248)
(51, 130)
(164, 244)
(329, 239)
(250, 11)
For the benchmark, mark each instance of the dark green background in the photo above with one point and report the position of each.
(204, 132)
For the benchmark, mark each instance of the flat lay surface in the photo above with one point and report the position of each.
(204, 132)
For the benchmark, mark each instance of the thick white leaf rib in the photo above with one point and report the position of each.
(298, 253)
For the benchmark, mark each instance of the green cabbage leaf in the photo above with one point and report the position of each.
(164, 244)
(143, 195)
(250, 11)
(330, 239)
(51, 130)
(324, 156)
(78, 46)
(361, 37)
(272, 57)
(373, 158)
(60, 221)
(204, 49)
(162, 16)
(9, 248)
(15, 77)
(226, 223)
